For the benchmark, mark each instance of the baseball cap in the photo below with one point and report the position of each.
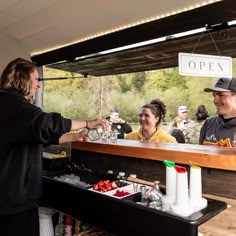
(182, 109)
(223, 85)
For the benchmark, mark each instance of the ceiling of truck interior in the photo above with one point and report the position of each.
(70, 35)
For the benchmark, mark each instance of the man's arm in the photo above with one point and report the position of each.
(127, 128)
(73, 137)
(89, 124)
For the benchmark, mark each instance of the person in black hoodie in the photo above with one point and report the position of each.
(220, 130)
(25, 128)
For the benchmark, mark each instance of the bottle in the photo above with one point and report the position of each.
(121, 175)
(59, 228)
(154, 194)
(77, 226)
(68, 226)
(144, 199)
(121, 180)
(135, 185)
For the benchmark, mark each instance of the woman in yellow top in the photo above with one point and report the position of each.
(150, 118)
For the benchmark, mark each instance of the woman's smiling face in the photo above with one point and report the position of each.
(146, 119)
(35, 85)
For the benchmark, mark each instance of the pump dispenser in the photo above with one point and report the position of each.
(182, 206)
(195, 189)
(169, 198)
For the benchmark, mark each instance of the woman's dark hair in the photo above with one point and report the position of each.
(201, 113)
(158, 109)
(16, 75)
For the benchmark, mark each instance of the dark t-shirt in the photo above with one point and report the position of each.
(122, 128)
(179, 135)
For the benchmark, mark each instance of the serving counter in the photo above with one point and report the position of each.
(124, 216)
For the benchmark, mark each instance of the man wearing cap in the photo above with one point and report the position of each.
(189, 132)
(183, 112)
(220, 129)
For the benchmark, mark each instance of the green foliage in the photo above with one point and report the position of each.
(124, 82)
(197, 97)
(154, 81)
(94, 96)
(173, 79)
(138, 81)
(128, 104)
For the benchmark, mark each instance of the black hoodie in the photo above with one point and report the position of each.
(24, 129)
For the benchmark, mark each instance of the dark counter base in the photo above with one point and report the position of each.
(214, 181)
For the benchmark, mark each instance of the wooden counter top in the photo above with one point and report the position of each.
(224, 223)
(206, 156)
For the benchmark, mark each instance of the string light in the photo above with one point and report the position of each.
(125, 26)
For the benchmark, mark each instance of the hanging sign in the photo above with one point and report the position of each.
(205, 65)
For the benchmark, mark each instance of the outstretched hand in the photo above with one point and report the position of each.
(82, 136)
(98, 122)
(73, 137)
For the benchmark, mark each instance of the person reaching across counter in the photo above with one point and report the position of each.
(25, 128)
(150, 118)
(220, 129)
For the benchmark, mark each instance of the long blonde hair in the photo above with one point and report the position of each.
(177, 120)
(16, 75)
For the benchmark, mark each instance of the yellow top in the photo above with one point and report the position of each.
(158, 136)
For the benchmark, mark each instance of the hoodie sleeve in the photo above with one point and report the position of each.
(41, 127)
(47, 128)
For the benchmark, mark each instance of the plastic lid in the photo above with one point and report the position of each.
(110, 172)
(133, 175)
(180, 169)
(68, 220)
(169, 163)
(156, 183)
(83, 227)
(122, 174)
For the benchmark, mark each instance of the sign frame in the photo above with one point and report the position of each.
(205, 65)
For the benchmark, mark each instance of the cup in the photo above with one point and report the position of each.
(113, 136)
(105, 137)
(155, 205)
(234, 141)
(144, 198)
(93, 134)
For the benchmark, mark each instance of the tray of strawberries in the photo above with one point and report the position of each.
(116, 189)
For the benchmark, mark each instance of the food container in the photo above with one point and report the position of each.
(56, 157)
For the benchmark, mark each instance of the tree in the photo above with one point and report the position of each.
(154, 81)
(94, 96)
